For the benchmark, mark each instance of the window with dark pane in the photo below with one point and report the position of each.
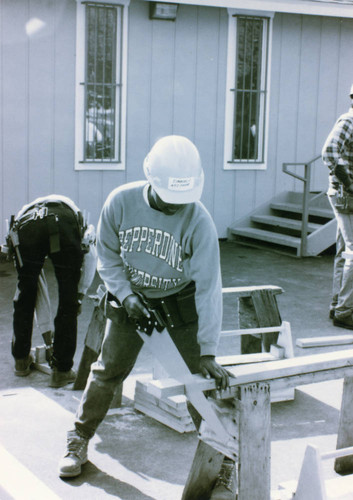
(102, 82)
(250, 90)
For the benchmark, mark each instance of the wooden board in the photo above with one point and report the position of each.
(203, 473)
(254, 427)
(165, 418)
(345, 429)
(324, 341)
(247, 291)
(177, 402)
(245, 358)
(162, 403)
(300, 370)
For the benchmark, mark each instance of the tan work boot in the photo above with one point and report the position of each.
(59, 379)
(75, 457)
(23, 366)
(226, 485)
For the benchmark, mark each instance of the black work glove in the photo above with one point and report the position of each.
(210, 368)
(135, 307)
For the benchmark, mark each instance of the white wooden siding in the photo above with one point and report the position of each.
(176, 84)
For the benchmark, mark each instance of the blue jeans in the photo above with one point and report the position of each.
(342, 300)
(120, 348)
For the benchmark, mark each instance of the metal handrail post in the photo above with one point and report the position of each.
(305, 215)
(306, 192)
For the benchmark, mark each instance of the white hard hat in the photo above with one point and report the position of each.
(173, 168)
(351, 92)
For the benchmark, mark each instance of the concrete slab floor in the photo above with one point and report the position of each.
(132, 456)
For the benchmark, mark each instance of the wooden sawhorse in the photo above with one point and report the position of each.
(92, 347)
(250, 407)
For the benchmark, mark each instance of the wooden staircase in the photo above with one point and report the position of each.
(277, 225)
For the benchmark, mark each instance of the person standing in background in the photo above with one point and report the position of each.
(337, 154)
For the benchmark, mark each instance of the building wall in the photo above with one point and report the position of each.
(37, 102)
(176, 84)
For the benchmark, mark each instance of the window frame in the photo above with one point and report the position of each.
(229, 163)
(80, 141)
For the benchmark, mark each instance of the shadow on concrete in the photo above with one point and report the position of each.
(96, 478)
(304, 417)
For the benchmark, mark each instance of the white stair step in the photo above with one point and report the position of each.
(260, 234)
(293, 207)
(284, 222)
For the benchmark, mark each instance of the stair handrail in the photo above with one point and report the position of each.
(306, 192)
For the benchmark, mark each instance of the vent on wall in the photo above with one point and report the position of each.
(165, 11)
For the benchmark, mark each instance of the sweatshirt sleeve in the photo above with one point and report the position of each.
(110, 264)
(205, 271)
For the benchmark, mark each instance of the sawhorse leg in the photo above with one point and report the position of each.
(344, 465)
(92, 347)
(260, 309)
(254, 471)
(203, 473)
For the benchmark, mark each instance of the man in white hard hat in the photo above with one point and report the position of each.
(156, 244)
(337, 154)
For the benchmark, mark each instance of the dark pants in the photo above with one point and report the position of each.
(34, 239)
(120, 348)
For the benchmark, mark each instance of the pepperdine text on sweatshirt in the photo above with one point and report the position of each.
(141, 249)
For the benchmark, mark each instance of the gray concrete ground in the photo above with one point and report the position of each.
(133, 457)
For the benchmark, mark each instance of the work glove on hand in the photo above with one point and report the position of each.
(135, 307)
(210, 368)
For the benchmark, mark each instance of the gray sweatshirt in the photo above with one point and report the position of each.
(143, 250)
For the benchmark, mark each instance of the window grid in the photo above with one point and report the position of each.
(102, 88)
(250, 90)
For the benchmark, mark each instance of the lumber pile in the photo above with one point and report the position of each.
(40, 361)
(171, 411)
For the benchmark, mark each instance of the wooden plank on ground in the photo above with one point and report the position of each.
(165, 419)
(176, 402)
(325, 341)
(162, 403)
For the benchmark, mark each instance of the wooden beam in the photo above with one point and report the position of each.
(254, 427)
(325, 341)
(247, 291)
(298, 369)
(257, 357)
(251, 331)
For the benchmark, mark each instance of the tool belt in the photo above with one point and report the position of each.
(172, 311)
(344, 204)
(175, 310)
(34, 213)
